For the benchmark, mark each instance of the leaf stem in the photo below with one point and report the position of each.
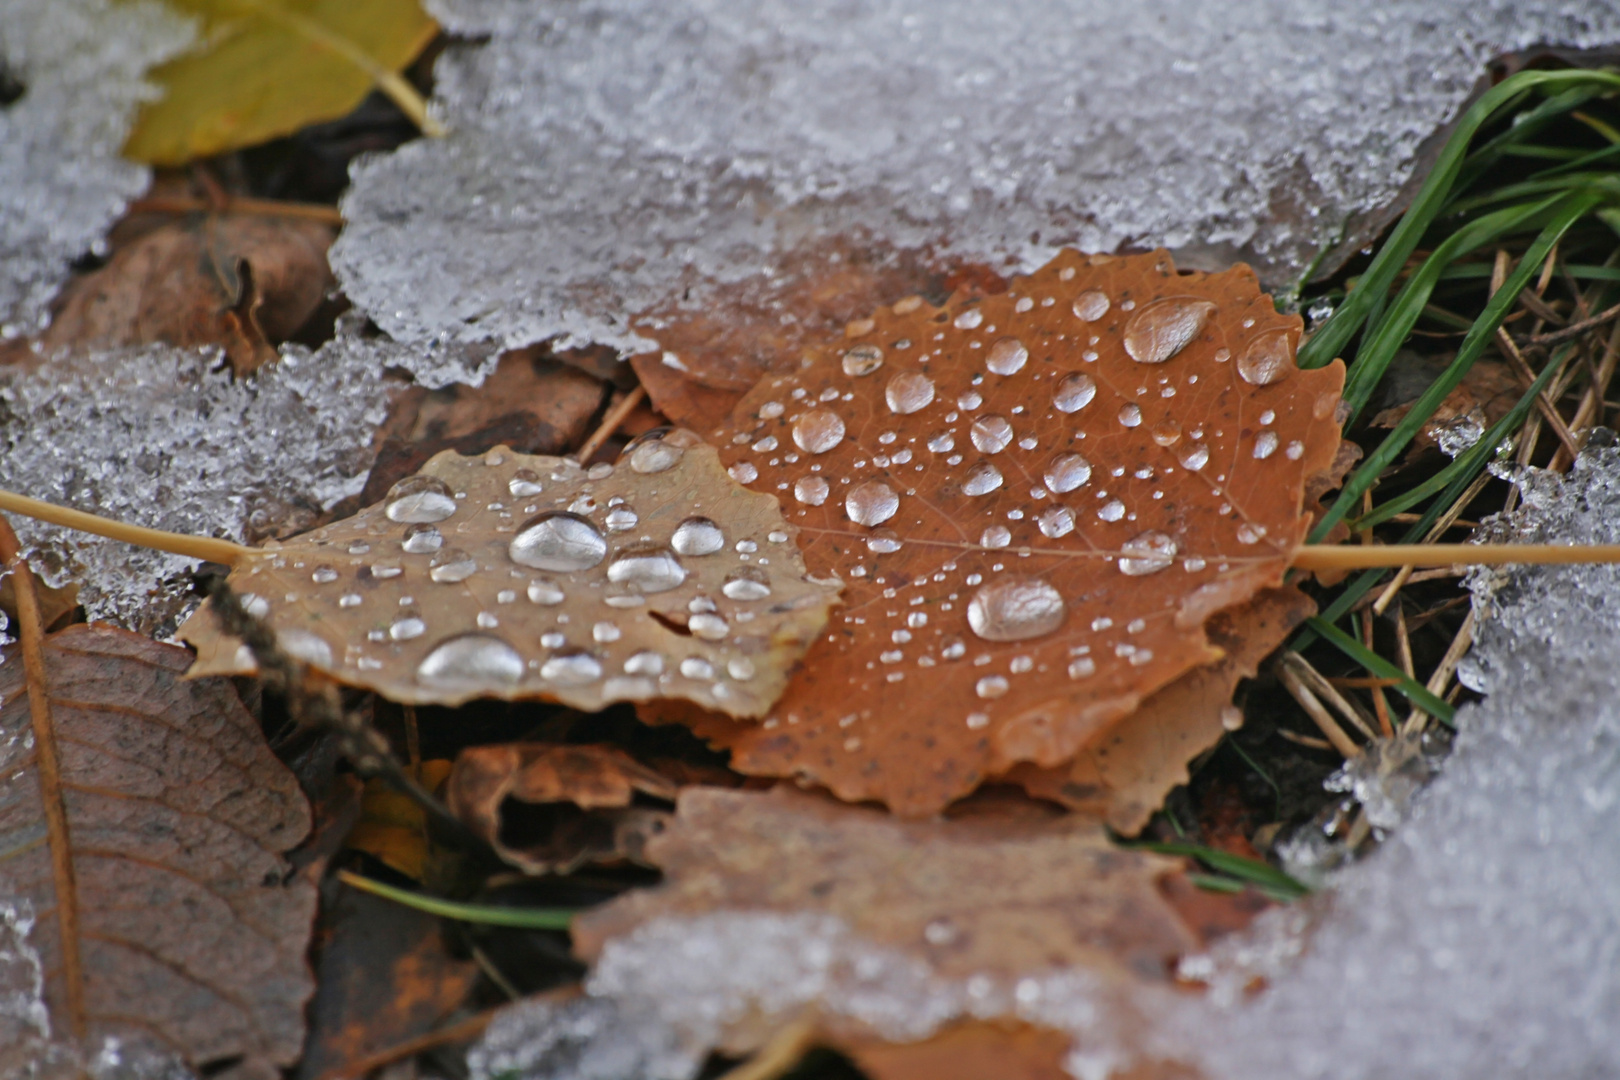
(206, 548)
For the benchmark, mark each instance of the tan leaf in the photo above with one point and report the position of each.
(1036, 501)
(177, 818)
(1124, 776)
(581, 794)
(515, 576)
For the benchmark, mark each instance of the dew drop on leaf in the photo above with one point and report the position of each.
(422, 540)
(407, 627)
(558, 540)
(1055, 521)
(452, 565)
(747, 584)
(1016, 608)
(862, 360)
(420, 499)
(1165, 327)
(991, 434)
(871, 503)
(982, 479)
(524, 483)
(1130, 415)
(1268, 358)
(655, 456)
(571, 669)
(818, 431)
(1007, 356)
(648, 569)
(1194, 456)
(1067, 472)
(1091, 305)
(811, 490)
(909, 392)
(546, 592)
(1147, 553)
(471, 659)
(697, 536)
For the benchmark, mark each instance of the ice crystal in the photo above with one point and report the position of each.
(167, 438)
(78, 68)
(609, 155)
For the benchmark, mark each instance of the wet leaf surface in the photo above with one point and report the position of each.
(1036, 500)
(192, 930)
(515, 576)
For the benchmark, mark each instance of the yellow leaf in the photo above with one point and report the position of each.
(265, 68)
(392, 828)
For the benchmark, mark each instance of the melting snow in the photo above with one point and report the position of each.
(163, 437)
(608, 154)
(81, 66)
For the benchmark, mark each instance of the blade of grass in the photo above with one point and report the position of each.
(484, 914)
(1405, 685)
(1252, 871)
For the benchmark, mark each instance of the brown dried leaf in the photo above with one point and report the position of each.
(578, 803)
(1487, 393)
(239, 281)
(1124, 776)
(657, 578)
(975, 1050)
(178, 817)
(1033, 524)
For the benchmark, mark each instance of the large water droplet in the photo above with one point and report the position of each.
(862, 360)
(991, 434)
(557, 540)
(1130, 415)
(747, 584)
(1265, 444)
(524, 483)
(407, 626)
(308, 647)
(574, 668)
(942, 442)
(1147, 553)
(969, 319)
(982, 479)
(471, 660)
(1067, 472)
(1194, 456)
(708, 626)
(420, 499)
(452, 565)
(647, 569)
(884, 542)
(871, 503)
(908, 392)
(547, 592)
(697, 536)
(1091, 305)
(1016, 609)
(1055, 521)
(422, 540)
(645, 662)
(1074, 392)
(996, 536)
(1112, 510)
(818, 431)
(1167, 433)
(1007, 356)
(1268, 359)
(1165, 327)
(620, 519)
(811, 490)
(655, 456)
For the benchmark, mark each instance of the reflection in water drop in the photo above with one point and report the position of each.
(1007, 356)
(1165, 327)
(471, 660)
(419, 499)
(647, 569)
(991, 434)
(1074, 392)
(818, 431)
(571, 668)
(560, 541)
(1091, 305)
(871, 503)
(1194, 456)
(982, 479)
(811, 490)
(862, 360)
(524, 483)
(908, 392)
(1112, 510)
(1265, 444)
(1147, 553)
(697, 536)
(1016, 609)
(1056, 521)
(1167, 433)
(1268, 359)
(747, 584)
(452, 565)
(422, 540)
(1067, 472)
(996, 536)
(1130, 415)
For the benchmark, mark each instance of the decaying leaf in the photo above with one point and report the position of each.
(1036, 499)
(578, 800)
(243, 282)
(1124, 776)
(190, 930)
(976, 1050)
(392, 827)
(515, 576)
(269, 67)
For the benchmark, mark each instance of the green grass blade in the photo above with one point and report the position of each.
(1527, 125)
(1252, 871)
(1409, 688)
(485, 914)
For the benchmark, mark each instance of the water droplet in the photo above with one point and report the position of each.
(771, 410)
(1265, 444)
(1112, 510)
(254, 604)
(700, 603)
(557, 540)
(1194, 456)
(708, 626)
(698, 536)
(977, 721)
(359, 547)
(606, 632)
(655, 456)
(953, 649)
(545, 591)
(471, 660)
(407, 626)
(743, 472)
(487, 620)
(1295, 450)
(942, 442)
(647, 568)
(1267, 417)
(765, 445)
(967, 402)
(1016, 609)
(1082, 667)
(818, 431)
(305, 646)
(620, 518)
(1167, 433)
(982, 479)
(1268, 359)
(1130, 415)
(917, 619)
(908, 392)
(452, 565)
(524, 483)
(740, 668)
(811, 490)
(1074, 392)
(1091, 305)
(420, 499)
(1147, 553)
(349, 600)
(645, 662)
(991, 686)
(422, 540)
(1007, 356)
(695, 667)
(969, 319)
(1250, 534)
(1165, 327)
(575, 668)
(871, 503)
(991, 434)
(747, 584)
(1055, 521)
(1067, 472)
(862, 360)
(323, 575)
(996, 536)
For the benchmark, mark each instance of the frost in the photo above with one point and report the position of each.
(80, 65)
(608, 155)
(161, 437)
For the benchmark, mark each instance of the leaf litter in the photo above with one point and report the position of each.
(518, 576)
(1036, 501)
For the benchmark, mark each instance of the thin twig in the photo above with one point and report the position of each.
(610, 423)
(1575, 329)
(1323, 687)
(461, 1031)
(1318, 713)
(1443, 672)
(1380, 703)
(195, 547)
(779, 1055)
